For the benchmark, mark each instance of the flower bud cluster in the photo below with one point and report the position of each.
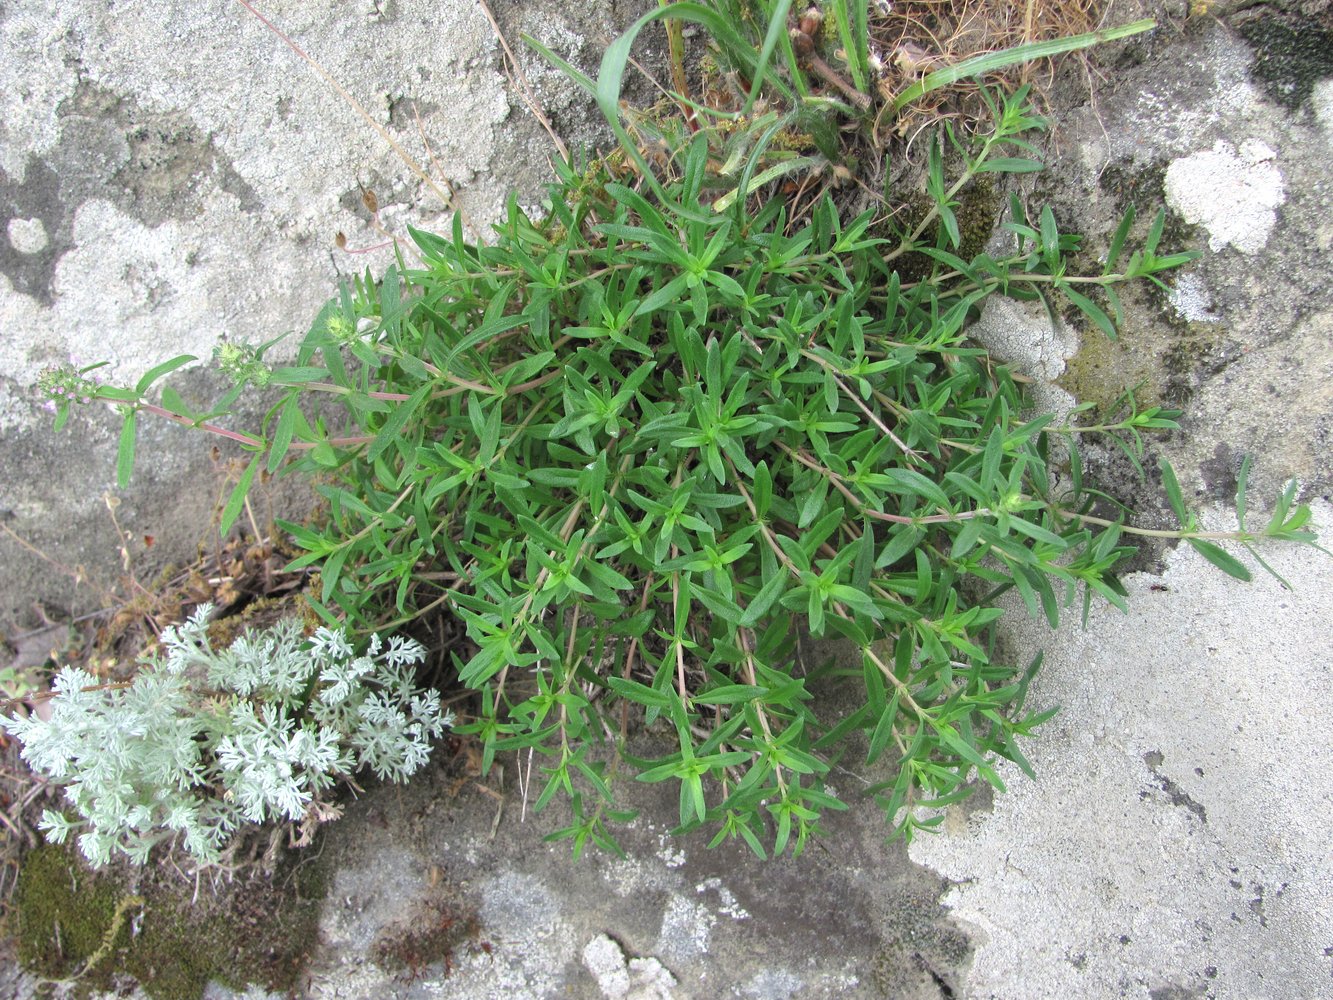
(241, 364)
(65, 385)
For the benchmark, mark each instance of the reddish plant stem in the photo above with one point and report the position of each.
(244, 439)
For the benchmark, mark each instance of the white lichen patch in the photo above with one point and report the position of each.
(728, 905)
(1321, 100)
(621, 979)
(1021, 334)
(1234, 194)
(668, 853)
(774, 984)
(635, 876)
(131, 294)
(27, 236)
(1191, 300)
(686, 928)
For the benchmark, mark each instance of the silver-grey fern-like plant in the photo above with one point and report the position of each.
(204, 741)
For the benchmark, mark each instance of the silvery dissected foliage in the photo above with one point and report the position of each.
(204, 741)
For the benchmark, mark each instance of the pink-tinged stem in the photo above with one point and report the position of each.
(336, 442)
(245, 439)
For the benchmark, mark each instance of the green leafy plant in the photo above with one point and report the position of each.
(206, 742)
(641, 443)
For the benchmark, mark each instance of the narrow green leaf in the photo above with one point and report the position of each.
(165, 368)
(237, 499)
(670, 292)
(812, 504)
(1118, 240)
(1092, 311)
(884, 729)
(487, 330)
(1221, 558)
(911, 483)
(125, 452)
(490, 436)
(1280, 509)
(398, 418)
(990, 459)
(1173, 495)
(1154, 233)
(1010, 165)
(282, 434)
(1050, 235)
(1117, 310)
(763, 490)
(730, 694)
(905, 538)
(640, 694)
(764, 600)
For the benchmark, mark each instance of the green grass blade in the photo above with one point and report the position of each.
(842, 18)
(860, 51)
(764, 176)
(993, 61)
(777, 28)
(611, 75)
(577, 75)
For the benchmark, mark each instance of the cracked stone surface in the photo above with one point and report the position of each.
(1165, 843)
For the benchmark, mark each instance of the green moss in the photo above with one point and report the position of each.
(1101, 370)
(978, 212)
(63, 913)
(257, 931)
(261, 614)
(1162, 363)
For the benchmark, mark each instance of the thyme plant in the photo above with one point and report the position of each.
(642, 441)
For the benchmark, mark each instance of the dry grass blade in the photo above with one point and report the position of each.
(356, 105)
(915, 38)
(529, 97)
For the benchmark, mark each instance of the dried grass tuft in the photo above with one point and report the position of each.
(911, 38)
